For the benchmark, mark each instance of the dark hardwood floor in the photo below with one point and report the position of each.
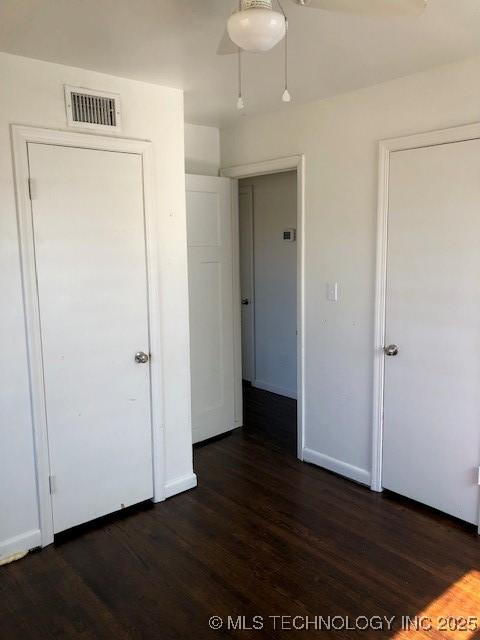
(271, 414)
(262, 535)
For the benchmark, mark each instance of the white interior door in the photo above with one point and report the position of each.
(210, 270)
(89, 235)
(245, 199)
(432, 387)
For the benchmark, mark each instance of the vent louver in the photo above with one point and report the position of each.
(92, 109)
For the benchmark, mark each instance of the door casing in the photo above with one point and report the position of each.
(386, 147)
(21, 136)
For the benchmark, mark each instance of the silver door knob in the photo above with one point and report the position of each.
(245, 301)
(391, 350)
(141, 357)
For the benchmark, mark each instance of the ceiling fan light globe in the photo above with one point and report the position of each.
(256, 30)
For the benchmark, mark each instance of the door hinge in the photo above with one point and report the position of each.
(51, 484)
(31, 191)
(479, 476)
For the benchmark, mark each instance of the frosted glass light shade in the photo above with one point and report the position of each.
(256, 30)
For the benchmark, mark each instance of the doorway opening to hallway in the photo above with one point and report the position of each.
(267, 215)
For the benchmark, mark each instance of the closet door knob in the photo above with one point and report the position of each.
(391, 350)
(141, 357)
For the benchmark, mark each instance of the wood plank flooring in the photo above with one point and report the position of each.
(262, 535)
(271, 414)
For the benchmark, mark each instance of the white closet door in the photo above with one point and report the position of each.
(210, 269)
(432, 387)
(89, 236)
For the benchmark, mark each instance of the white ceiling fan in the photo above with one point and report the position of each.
(257, 27)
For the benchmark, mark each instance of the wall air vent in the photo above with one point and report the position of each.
(92, 109)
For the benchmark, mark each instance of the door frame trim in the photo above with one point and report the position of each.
(21, 136)
(386, 148)
(249, 189)
(280, 165)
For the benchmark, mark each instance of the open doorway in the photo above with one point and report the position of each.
(267, 217)
(270, 417)
(266, 200)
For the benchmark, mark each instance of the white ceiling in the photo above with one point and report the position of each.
(173, 42)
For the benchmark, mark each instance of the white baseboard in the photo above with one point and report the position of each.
(21, 543)
(184, 483)
(332, 464)
(280, 391)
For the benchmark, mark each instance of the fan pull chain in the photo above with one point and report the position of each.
(286, 97)
(240, 102)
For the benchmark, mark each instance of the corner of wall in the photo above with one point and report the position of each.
(178, 485)
(202, 150)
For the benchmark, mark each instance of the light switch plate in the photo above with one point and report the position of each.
(332, 291)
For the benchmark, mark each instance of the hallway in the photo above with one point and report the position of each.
(270, 414)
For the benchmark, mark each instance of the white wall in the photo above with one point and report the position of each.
(339, 139)
(31, 93)
(275, 272)
(202, 150)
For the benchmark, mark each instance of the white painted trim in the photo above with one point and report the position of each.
(21, 136)
(19, 544)
(237, 321)
(288, 393)
(184, 483)
(379, 338)
(278, 165)
(337, 466)
(154, 323)
(387, 147)
(301, 216)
